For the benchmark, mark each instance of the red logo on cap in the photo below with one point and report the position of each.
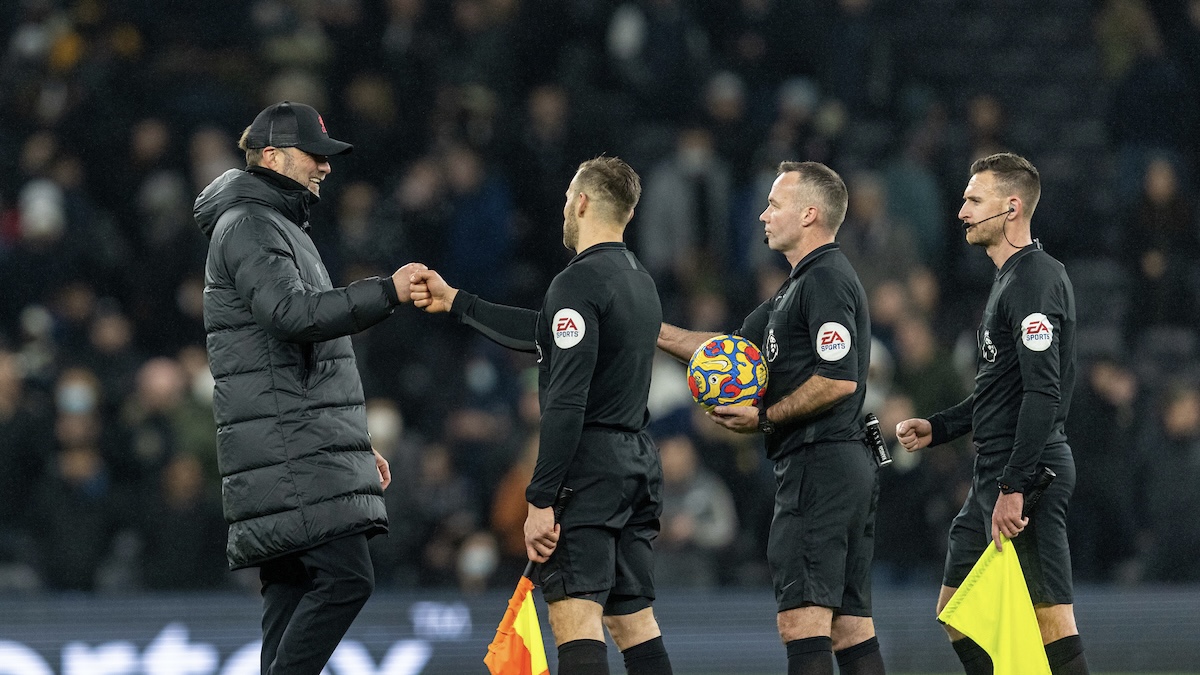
(322, 123)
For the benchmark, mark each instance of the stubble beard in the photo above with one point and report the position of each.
(289, 170)
(570, 231)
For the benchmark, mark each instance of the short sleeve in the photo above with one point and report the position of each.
(830, 305)
(755, 325)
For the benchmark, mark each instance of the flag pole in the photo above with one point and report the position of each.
(517, 648)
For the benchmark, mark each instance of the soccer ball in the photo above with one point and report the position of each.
(727, 370)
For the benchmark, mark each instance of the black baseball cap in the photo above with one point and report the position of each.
(294, 125)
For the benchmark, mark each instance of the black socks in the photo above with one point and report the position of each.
(1066, 656)
(590, 657)
(810, 656)
(648, 658)
(583, 657)
(861, 659)
(974, 659)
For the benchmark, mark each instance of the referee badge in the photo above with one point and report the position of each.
(1036, 332)
(567, 328)
(988, 347)
(771, 348)
(833, 341)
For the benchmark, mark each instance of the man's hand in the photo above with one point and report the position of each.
(541, 533)
(1006, 517)
(914, 434)
(400, 279)
(740, 418)
(385, 470)
(430, 292)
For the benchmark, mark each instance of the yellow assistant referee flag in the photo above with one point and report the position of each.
(992, 607)
(517, 648)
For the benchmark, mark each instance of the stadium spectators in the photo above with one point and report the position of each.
(467, 116)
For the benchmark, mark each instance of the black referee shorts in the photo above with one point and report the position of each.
(1041, 547)
(823, 533)
(604, 547)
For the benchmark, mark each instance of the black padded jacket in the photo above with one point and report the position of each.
(295, 458)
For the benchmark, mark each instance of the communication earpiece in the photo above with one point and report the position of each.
(1011, 208)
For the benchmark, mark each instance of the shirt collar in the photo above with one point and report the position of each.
(1012, 260)
(807, 260)
(602, 246)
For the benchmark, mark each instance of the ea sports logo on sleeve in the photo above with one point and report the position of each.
(1036, 332)
(833, 341)
(568, 328)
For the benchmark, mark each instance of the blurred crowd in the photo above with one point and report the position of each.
(468, 118)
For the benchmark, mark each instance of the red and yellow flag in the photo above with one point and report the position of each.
(993, 608)
(517, 648)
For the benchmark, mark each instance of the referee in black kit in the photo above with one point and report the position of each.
(594, 338)
(1026, 373)
(815, 335)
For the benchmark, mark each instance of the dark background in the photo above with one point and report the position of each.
(469, 117)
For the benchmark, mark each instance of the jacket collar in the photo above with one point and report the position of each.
(295, 199)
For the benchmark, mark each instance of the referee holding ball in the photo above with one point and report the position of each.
(594, 338)
(815, 335)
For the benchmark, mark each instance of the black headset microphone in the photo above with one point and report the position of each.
(967, 226)
(1011, 208)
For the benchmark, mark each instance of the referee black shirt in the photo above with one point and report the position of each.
(595, 338)
(1026, 366)
(816, 324)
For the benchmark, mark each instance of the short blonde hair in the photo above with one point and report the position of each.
(611, 181)
(253, 155)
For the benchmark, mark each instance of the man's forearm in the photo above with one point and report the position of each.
(816, 395)
(560, 434)
(679, 342)
(511, 327)
(1034, 423)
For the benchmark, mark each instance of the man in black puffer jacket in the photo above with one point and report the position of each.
(302, 487)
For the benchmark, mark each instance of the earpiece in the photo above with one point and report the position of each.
(1011, 209)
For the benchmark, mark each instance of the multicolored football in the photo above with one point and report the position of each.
(727, 370)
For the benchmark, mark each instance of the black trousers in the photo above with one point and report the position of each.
(309, 601)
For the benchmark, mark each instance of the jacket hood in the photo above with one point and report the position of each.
(239, 186)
